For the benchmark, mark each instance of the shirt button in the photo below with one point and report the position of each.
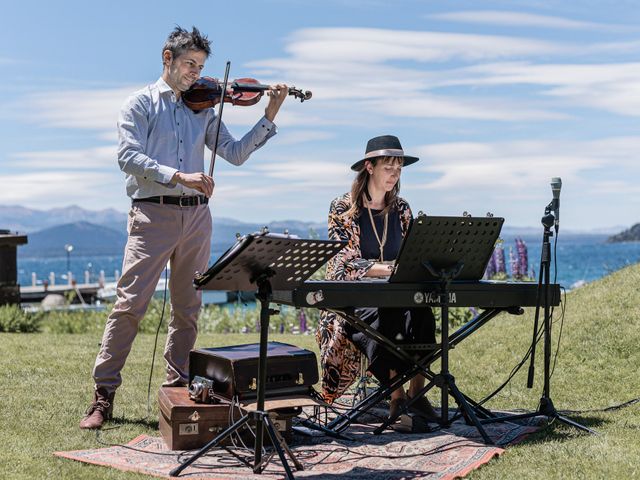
(180, 141)
(180, 159)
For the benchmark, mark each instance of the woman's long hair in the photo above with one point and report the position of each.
(359, 186)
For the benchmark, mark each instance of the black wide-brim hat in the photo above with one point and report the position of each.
(384, 146)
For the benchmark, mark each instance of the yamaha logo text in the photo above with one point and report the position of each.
(433, 298)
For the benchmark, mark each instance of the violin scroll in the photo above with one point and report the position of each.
(298, 93)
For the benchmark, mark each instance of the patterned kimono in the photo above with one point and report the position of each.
(339, 357)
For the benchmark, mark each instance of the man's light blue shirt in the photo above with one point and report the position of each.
(159, 136)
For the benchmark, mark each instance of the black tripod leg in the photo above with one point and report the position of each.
(321, 428)
(273, 432)
(572, 423)
(278, 447)
(548, 409)
(464, 406)
(213, 443)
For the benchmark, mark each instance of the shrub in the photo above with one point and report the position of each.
(457, 316)
(74, 321)
(14, 319)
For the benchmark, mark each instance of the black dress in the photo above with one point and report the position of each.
(400, 325)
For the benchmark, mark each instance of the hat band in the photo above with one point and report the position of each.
(391, 152)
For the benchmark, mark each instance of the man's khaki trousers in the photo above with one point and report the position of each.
(157, 234)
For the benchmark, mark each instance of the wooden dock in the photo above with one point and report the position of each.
(34, 294)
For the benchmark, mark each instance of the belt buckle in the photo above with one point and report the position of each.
(189, 201)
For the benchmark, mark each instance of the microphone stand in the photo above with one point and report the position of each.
(545, 261)
(546, 407)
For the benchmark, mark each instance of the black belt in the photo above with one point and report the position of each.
(172, 200)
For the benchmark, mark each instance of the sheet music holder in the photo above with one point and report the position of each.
(444, 242)
(263, 262)
(290, 259)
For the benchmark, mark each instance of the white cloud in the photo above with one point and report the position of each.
(306, 172)
(83, 109)
(613, 87)
(515, 164)
(370, 45)
(516, 19)
(98, 158)
(56, 189)
(511, 179)
(433, 106)
(294, 137)
(367, 67)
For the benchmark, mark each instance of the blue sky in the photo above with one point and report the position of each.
(495, 97)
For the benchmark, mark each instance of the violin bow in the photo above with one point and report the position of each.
(215, 144)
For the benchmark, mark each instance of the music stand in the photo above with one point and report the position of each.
(443, 242)
(265, 261)
(444, 249)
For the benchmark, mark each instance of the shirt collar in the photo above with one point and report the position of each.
(163, 86)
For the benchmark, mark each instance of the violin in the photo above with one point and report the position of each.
(206, 92)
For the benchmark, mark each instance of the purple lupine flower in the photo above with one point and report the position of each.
(490, 271)
(523, 257)
(500, 262)
(282, 327)
(513, 264)
(303, 321)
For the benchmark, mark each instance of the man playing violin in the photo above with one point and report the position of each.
(161, 151)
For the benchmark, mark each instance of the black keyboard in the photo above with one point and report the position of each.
(364, 293)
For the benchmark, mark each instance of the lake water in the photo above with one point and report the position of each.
(581, 258)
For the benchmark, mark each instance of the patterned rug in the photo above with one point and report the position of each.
(444, 454)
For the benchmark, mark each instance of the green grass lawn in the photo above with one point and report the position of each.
(46, 385)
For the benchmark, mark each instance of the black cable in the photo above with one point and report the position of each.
(562, 313)
(99, 433)
(155, 344)
(515, 369)
(555, 280)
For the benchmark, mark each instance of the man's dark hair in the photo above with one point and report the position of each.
(180, 41)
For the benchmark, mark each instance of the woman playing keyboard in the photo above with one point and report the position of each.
(373, 219)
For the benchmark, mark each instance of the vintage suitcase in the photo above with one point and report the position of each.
(187, 425)
(233, 370)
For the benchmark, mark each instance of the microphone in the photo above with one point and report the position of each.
(556, 185)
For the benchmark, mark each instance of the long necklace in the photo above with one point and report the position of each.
(381, 241)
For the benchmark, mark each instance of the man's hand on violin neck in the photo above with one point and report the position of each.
(277, 94)
(201, 182)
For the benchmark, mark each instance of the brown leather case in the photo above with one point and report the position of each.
(187, 425)
(234, 370)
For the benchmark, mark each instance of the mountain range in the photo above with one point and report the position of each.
(103, 232)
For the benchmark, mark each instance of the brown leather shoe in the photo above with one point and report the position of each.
(99, 411)
(423, 407)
